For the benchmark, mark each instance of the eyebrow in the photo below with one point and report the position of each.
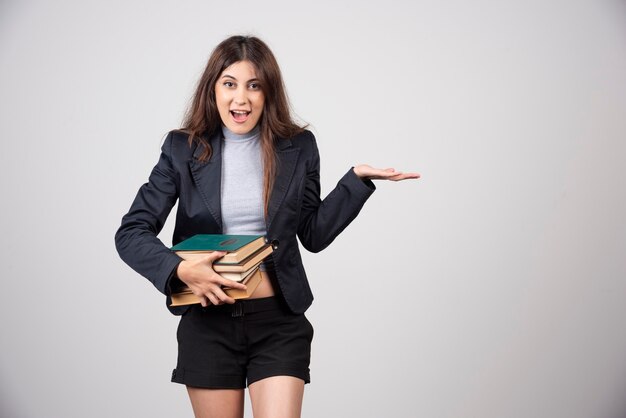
(230, 76)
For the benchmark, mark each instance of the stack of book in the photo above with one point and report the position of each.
(244, 254)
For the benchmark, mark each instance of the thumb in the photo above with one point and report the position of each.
(214, 256)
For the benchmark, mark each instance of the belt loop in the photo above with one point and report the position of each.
(237, 310)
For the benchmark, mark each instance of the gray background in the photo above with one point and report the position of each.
(492, 287)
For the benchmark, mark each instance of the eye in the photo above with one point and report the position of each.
(254, 86)
(228, 84)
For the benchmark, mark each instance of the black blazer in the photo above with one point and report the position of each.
(295, 209)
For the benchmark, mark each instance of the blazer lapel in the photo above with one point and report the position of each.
(286, 158)
(208, 177)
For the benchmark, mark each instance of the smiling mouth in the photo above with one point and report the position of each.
(239, 115)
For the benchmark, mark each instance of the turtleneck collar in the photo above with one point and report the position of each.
(231, 136)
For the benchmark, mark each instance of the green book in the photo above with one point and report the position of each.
(237, 247)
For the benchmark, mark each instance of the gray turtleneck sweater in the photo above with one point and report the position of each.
(242, 183)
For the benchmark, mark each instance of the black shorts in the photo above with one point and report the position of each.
(229, 346)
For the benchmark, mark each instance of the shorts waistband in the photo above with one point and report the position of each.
(242, 307)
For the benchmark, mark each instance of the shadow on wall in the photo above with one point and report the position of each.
(6, 409)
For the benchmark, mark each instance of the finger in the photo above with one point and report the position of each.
(224, 298)
(231, 283)
(215, 255)
(203, 301)
(382, 171)
(404, 176)
(382, 174)
(413, 175)
(214, 300)
(397, 178)
(389, 175)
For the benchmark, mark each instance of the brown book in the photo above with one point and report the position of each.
(240, 267)
(186, 297)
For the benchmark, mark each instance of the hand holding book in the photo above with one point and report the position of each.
(204, 282)
(219, 268)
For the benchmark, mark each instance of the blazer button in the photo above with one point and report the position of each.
(274, 243)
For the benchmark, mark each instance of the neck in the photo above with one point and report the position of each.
(231, 136)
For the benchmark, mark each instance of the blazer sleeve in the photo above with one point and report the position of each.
(321, 221)
(136, 239)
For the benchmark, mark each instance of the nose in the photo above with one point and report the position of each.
(240, 97)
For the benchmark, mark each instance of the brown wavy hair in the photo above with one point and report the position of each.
(202, 119)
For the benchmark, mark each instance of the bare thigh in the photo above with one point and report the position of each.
(277, 397)
(216, 403)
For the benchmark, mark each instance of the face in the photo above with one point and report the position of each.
(239, 97)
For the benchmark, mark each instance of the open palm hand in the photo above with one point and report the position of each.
(365, 171)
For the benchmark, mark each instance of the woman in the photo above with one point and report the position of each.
(240, 165)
